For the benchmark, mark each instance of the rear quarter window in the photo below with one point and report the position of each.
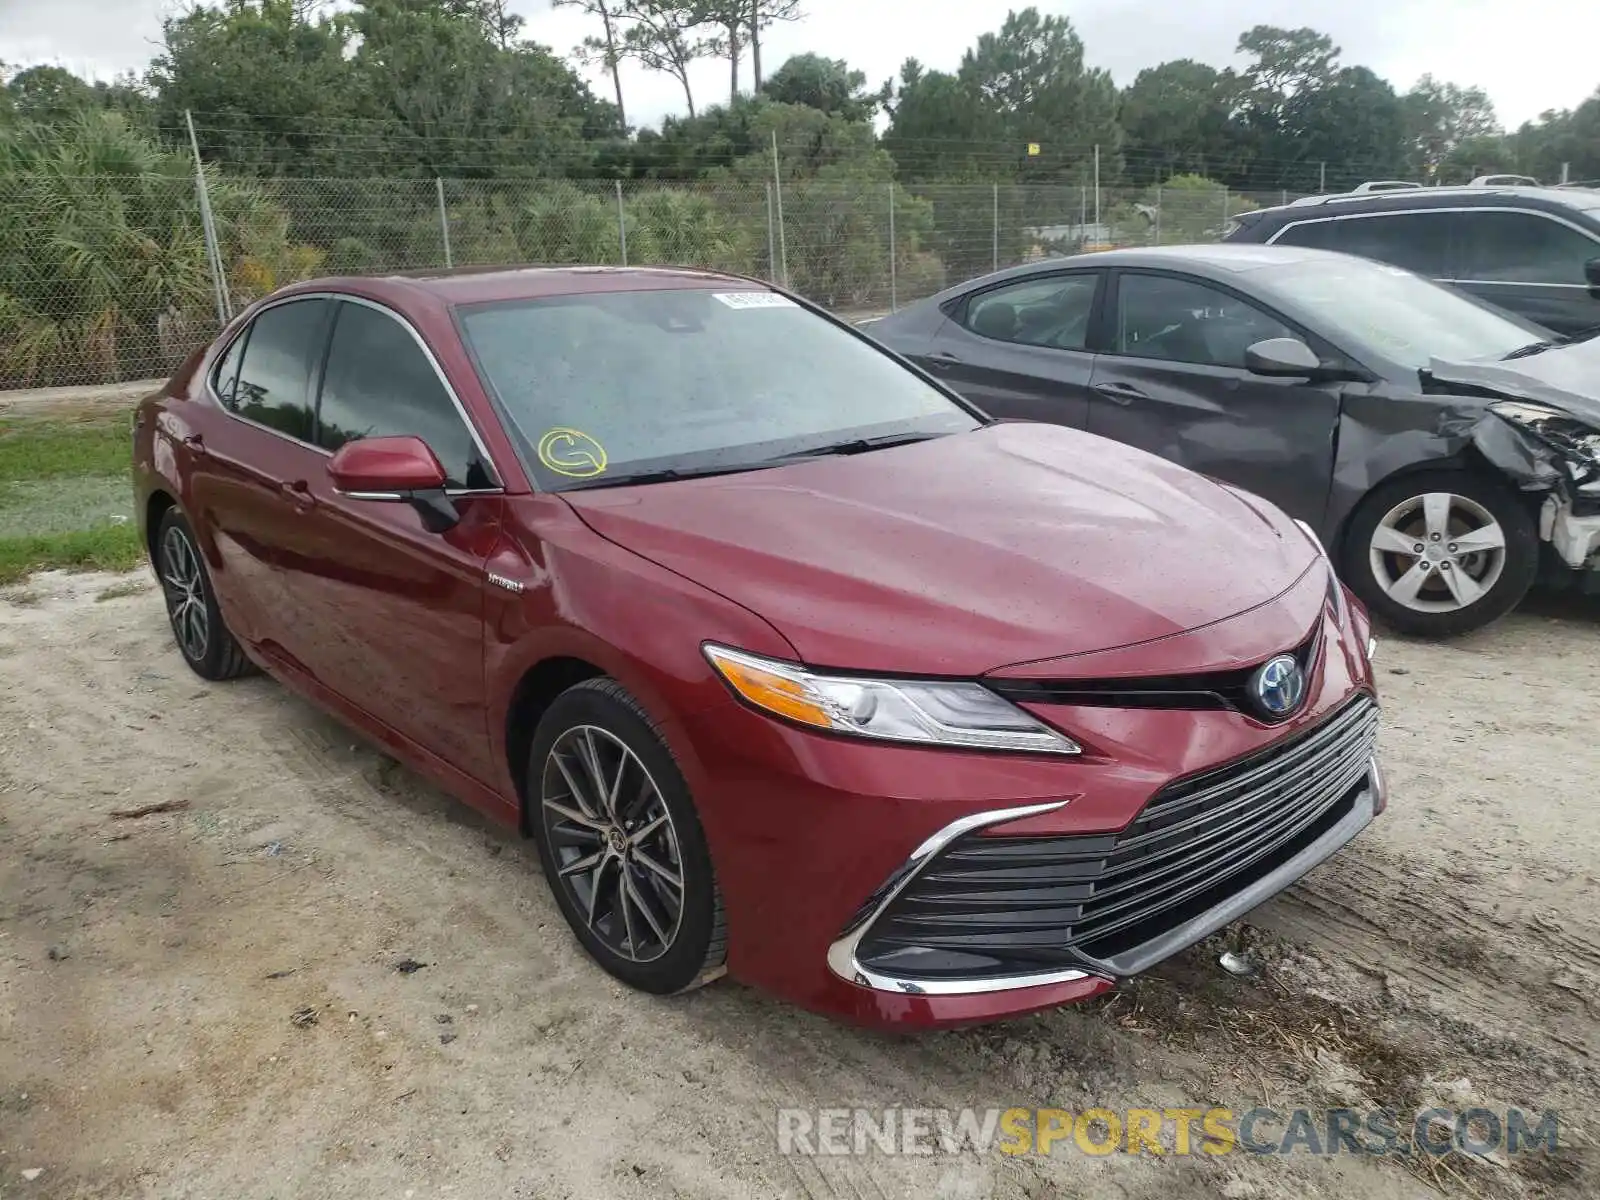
(1416, 241)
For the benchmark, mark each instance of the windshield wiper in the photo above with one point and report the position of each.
(1565, 339)
(862, 445)
(666, 475)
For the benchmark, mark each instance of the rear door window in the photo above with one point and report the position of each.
(1522, 247)
(1418, 242)
(379, 383)
(284, 344)
(1052, 312)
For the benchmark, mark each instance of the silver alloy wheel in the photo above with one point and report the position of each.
(1438, 552)
(185, 594)
(613, 841)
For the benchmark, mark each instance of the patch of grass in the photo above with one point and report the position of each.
(31, 450)
(65, 496)
(128, 587)
(105, 548)
(41, 507)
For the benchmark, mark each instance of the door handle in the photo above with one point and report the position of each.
(1119, 393)
(195, 445)
(299, 492)
(943, 360)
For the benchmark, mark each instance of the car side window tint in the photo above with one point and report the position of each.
(280, 352)
(1051, 312)
(1181, 320)
(379, 383)
(226, 377)
(1416, 241)
(1520, 247)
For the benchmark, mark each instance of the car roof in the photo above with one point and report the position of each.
(1215, 258)
(1582, 199)
(488, 285)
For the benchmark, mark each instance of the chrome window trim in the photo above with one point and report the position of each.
(1577, 287)
(404, 323)
(1454, 208)
(452, 492)
(842, 953)
(288, 437)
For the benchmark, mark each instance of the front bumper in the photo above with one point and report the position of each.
(815, 836)
(976, 911)
(1332, 826)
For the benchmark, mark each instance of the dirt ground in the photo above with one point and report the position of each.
(150, 968)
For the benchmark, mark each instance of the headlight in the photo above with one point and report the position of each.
(931, 712)
(1577, 440)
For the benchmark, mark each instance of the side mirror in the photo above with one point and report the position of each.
(401, 469)
(1282, 357)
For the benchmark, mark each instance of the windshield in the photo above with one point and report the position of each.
(606, 386)
(1399, 315)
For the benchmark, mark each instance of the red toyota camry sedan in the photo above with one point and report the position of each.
(792, 663)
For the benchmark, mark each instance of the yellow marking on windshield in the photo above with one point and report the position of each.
(573, 453)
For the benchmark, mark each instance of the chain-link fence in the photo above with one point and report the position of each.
(109, 278)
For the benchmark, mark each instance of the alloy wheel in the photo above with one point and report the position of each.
(615, 847)
(1437, 552)
(181, 582)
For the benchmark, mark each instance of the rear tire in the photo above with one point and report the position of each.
(621, 843)
(1440, 553)
(197, 625)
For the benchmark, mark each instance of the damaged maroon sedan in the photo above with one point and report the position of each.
(792, 664)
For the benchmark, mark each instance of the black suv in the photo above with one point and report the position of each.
(1532, 250)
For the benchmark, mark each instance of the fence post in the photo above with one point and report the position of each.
(777, 191)
(1083, 217)
(1097, 193)
(1284, 199)
(1224, 210)
(219, 282)
(894, 290)
(1322, 178)
(622, 224)
(996, 226)
(772, 242)
(1158, 214)
(444, 223)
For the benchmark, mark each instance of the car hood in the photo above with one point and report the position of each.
(1564, 377)
(965, 553)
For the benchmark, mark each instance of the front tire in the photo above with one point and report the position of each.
(621, 843)
(197, 625)
(1441, 553)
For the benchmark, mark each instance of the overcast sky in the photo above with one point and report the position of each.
(1530, 55)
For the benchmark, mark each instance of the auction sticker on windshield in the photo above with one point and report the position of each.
(754, 300)
(573, 453)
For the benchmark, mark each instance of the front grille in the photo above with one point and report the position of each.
(988, 906)
(1204, 690)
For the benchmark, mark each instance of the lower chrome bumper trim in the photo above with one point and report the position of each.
(842, 953)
